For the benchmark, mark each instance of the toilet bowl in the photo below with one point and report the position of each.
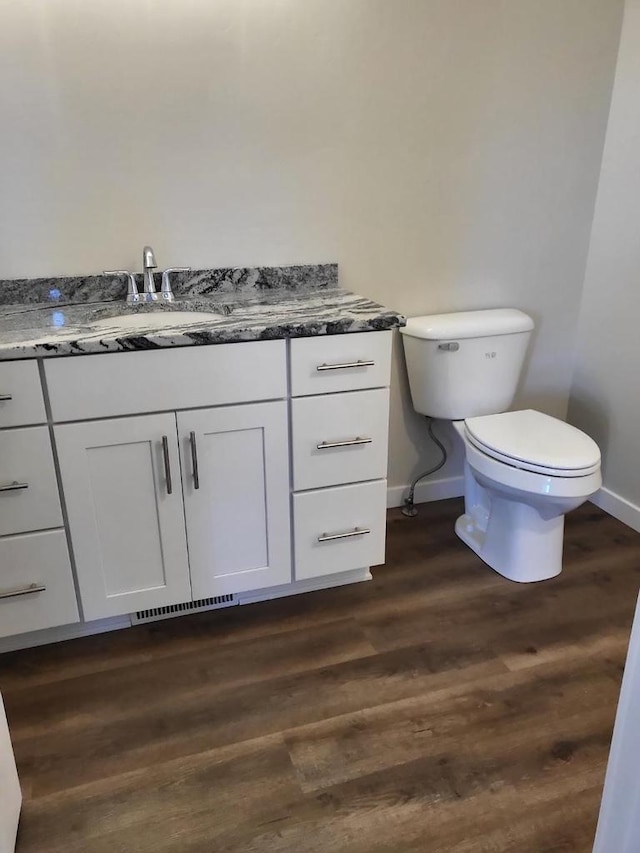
(523, 472)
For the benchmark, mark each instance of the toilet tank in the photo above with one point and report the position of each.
(465, 364)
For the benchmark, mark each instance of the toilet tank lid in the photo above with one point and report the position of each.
(468, 324)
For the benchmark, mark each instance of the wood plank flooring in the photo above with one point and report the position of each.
(440, 708)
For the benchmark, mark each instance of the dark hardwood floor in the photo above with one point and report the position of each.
(440, 708)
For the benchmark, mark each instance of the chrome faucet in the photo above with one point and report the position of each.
(134, 297)
(148, 266)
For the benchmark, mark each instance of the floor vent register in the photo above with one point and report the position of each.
(155, 613)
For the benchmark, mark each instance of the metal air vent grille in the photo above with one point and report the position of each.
(155, 613)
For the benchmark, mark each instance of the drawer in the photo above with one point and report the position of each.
(21, 399)
(340, 438)
(36, 584)
(109, 385)
(340, 363)
(337, 530)
(29, 498)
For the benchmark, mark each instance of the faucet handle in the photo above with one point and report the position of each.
(133, 296)
(166, 294)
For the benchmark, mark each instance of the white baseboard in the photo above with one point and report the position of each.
(618, 507)
(430, 490)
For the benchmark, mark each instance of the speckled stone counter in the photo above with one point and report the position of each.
(55, 317)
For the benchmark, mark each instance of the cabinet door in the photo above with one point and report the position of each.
(121, 482)
(236, 496)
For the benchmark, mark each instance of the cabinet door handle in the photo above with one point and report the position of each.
(4, 398)
(194, 460)
(346, 365)
(357, 531)
(167, 464)
(14, 487)
(348, 442)
(26, 590)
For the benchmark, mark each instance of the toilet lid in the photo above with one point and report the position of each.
(534, 441)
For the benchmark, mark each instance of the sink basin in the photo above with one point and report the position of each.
(156, 320)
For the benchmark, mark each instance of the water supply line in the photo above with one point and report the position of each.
(409, 508)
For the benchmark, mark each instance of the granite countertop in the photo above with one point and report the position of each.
(54, 317)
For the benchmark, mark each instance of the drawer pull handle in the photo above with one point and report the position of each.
(26, 590)
(167, 464)
(194, 460)
(14, 487)
(5, 398)
(357, 531)
(346, 365)
(349, 442)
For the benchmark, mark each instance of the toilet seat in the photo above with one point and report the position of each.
(518, 479)
(533, 441)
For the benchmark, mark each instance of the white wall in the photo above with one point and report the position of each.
(444, 152)
(605, 400)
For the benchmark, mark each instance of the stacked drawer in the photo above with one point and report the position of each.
(340, 414)
(36, 583)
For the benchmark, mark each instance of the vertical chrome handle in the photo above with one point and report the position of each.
(4, 398)
(194, 460)
(167, 464)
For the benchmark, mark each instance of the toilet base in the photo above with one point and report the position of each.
(514, 540)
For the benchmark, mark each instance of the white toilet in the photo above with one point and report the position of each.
(524, 470)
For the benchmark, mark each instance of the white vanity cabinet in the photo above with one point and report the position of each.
(251, 469)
